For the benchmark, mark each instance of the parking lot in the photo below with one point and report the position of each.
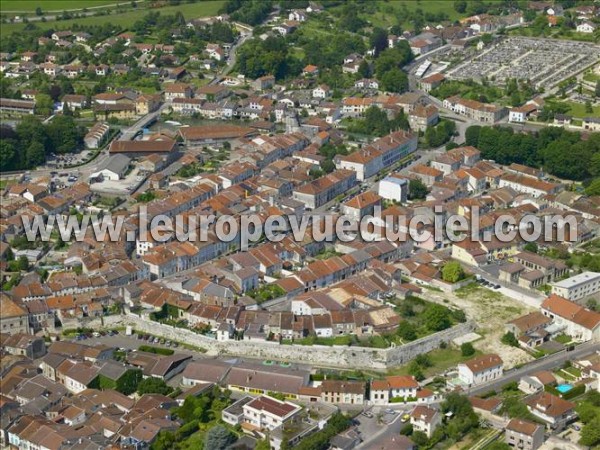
(69, 159)
(63, 179)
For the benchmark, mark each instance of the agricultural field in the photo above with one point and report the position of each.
(388, 12)
(48, 6)
(189, 11)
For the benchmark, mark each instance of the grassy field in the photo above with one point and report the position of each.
(441, 360)
(29, 6)
(386, 16)
(189, 11)
(578, 110)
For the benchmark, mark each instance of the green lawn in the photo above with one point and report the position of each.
(441, 360)
(189, 11)
(591, 76)
(386, 16)
(578, 110)
(563, 339)
(53, 5)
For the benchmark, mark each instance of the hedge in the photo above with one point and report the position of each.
(156, 350)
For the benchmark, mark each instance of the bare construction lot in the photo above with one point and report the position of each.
(490, 310)
(544, 62)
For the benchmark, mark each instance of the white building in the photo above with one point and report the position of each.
(297, 15)
(528, 185)
(576, 321)
(578, 287)
(96, 135)
(321, 91)
(586, 27)
(394, 187)
(516, 115)
(480, 370)
(382, 153)
(398, 386)
(263, 413)
(524, 434)
(425, 419)
(114, 169)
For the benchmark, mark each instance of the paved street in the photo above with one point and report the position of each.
(374, 436)
(549, 362)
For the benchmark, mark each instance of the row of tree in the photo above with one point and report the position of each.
(252, 12)
(559, 152)
(27, 145)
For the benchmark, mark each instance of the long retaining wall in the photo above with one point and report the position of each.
(319, 355)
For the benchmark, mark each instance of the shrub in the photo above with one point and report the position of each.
(467, 349)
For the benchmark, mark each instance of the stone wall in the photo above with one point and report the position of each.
(404, 353)
(319, 355)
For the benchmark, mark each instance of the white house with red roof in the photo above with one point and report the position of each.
(480, 370)
(578, 322)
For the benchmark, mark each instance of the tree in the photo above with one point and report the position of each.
(597, 90)
(586, 412)
(129, 382)
(417, 190)
(164, 441)
(531, 247)
(588, 107)
(463, 417)
(460, 6)
(515, 98)
(467, 349)
(44, 104)
(64, 134)
(395, 80)
(364, 69)
(38, 11)
(152, 385)
(452, 272)
(35, 154)
(263, 444)
(218, 438)
(378, 40)
(419, 438)
(590, 433)
(436, 317)
(407, 331)
(472, 135)
(415, 370)
(8, 160)
(23, 263)
(441, 133)
(593, 188)
(509, 339)
(595, 165)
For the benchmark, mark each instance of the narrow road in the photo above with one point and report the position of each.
(393, 428)
(546, 363)
(231, 59)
